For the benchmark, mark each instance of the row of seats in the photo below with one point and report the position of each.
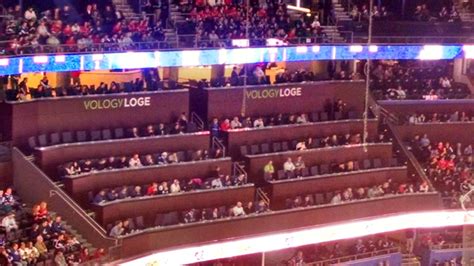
(324, 169)
(56, 138)
(276, 147)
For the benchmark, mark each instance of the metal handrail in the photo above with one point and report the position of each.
(57, 191)
(261, 194)
(196, 119)
(217, 143)
(237, 169)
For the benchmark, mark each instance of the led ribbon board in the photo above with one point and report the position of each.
(296, 238)
(134, 60)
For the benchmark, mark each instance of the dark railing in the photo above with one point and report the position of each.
(181, 42)
(367, 255)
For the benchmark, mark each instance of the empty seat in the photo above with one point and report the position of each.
(139, 222)
(181, 156)
(293, 144)
(254, 149)
(305, 172)
(356, 165)
(243, 150)
(159, 219)
(131, 224)
(276, 146)
(281, 174)
(81, 136)
(67, 137)
(106, 134)
(32, 142)
(43, 140)
(323, 116)
(393, 162)
(284, 146)
(96, 135)
(314, 117)
(191, 127)
(377, 163)
(55, 138)
(324, 169)
(265, 148)
(319, 198)
(314, 170)
(119, 133)
(352, 115)
(366, 164)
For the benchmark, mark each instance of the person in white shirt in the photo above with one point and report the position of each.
(258, 122)
(235, 123)
(413, 119)
(9, 223)
(336, 199)
(289, 166)
(424, 187)
(135, 161)
(30, 14)
(216, 183)
(302, 119)
(175, 187)
(238, 210)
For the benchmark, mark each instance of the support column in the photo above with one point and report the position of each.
(170, 73)
(217, 71)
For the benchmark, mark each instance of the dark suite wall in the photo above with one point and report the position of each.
(5, 122)
(228, 102)
(452, 132)
(256, 163)
(150, 206)
(63, 114)
(237, 138)
(330, 183)
(49, 158)
(408, 107)
(275, 222)
(79, 186)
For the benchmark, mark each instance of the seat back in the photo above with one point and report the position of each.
(119, 133)
(43, 140)
(67, 137)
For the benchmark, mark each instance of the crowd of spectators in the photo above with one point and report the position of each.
(440, 117)
(136, 161)
(170, 187)
(194, 215)
(449, 167)
(22, 91)
(29, 236)
(333, 110)
(446, 14)
(360, 193)
(399, 80)
(324, 253)
(98, 26)
(217, 23)
(361, 13)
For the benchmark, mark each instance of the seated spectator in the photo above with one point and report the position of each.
(175, 187)
(135, 161)
(238, 210)
(269, 171)
(117, 230)
(289, 167)
(299, 166)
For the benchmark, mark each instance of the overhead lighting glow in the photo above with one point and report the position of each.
(301, 49)
(97, 57)
(301, 237)
(431, 52)
(4, 61)
(468, 51)
(316, 49)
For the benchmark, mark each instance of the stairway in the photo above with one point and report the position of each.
(333, 34)
(126, 9)
(340, 13)
(410, 260)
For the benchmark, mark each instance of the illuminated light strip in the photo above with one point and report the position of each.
(373, 48)
(302, 49)
(97, 57)
(468, 51)
(333, 53)
(315, 235)
(81, 66)
(20, 66)
(40, 59)
(356, 48)
(60, 59)
(4, 61)
(296, 8)
(316, 49)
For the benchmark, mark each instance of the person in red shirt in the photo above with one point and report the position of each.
(225, 125)
(152, 189)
